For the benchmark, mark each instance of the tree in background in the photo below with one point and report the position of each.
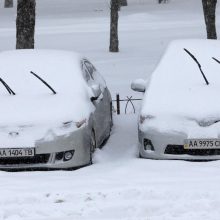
(8, 3)
(123, 2)
(114, 26)
(162, 1)
(25, 24)
(209, 7)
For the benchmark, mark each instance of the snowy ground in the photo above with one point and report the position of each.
(118, 185)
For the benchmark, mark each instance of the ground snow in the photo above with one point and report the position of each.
(118, 185)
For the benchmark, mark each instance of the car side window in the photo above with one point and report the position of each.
(90, 68)
(86, 74)
(95, 74)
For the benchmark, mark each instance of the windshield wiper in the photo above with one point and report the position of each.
(45, 83)
(216, 60)
(197, 62)
(10, 91)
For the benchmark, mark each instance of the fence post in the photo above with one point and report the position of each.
(118, 104)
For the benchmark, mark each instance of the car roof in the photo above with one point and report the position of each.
(33, 101)
(177, 87)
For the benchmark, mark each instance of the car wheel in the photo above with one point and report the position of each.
(110, 128)
(92, 145)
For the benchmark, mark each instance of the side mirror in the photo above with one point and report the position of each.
(96, 92)
(138, 85)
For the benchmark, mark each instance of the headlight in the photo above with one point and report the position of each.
(78, 124)
(144, 117)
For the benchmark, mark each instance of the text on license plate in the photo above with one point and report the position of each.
(17, 152)
(202, 144)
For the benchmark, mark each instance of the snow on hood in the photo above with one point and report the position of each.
(34, 103)
(177, 90)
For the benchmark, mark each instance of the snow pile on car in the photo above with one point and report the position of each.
(34, 103)
(178, 91)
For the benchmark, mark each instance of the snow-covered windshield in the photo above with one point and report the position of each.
(178, 96)
(177, 86)
(34, 102)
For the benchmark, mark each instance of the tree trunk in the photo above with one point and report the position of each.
(123, 2)
(114, 26)
(162, 1)
(8, 4)
(209, 7)
(25, 24)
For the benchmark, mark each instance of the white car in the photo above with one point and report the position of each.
(180, 114)
(55, 110)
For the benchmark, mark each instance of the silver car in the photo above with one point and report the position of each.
(180, 114)
(55, 110)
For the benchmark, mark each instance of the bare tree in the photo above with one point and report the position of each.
(8, 3)
(209, 7)
(25, 24)
(114, 26)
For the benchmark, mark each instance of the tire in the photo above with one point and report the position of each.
(110, 128)
(111, 116)
(92, 145)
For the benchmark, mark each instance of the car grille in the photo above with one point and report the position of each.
(40, 158)
(179, 149)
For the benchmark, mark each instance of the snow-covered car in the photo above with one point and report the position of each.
(55, 110)
(180, 114)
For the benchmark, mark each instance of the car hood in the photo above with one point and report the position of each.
(30, 135)
(43, 109)
(190, 127)
(26, 120)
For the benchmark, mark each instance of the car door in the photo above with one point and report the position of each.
(102, 104)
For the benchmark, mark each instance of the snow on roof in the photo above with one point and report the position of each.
(34, 102)
(177, 87)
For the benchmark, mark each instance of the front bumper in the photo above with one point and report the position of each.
(47, 153)
(162, 142)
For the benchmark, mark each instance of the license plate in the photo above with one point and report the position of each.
(202, 144)
(17, 152)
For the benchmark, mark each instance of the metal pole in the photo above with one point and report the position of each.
(118, 104)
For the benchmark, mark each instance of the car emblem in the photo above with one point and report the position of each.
(13, 133)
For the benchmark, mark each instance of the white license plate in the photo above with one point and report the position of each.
(17, 152)
(202, 144)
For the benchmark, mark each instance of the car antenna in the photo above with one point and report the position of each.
(216, 60)
(10, 91)
(44, 82)
(200, 68)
